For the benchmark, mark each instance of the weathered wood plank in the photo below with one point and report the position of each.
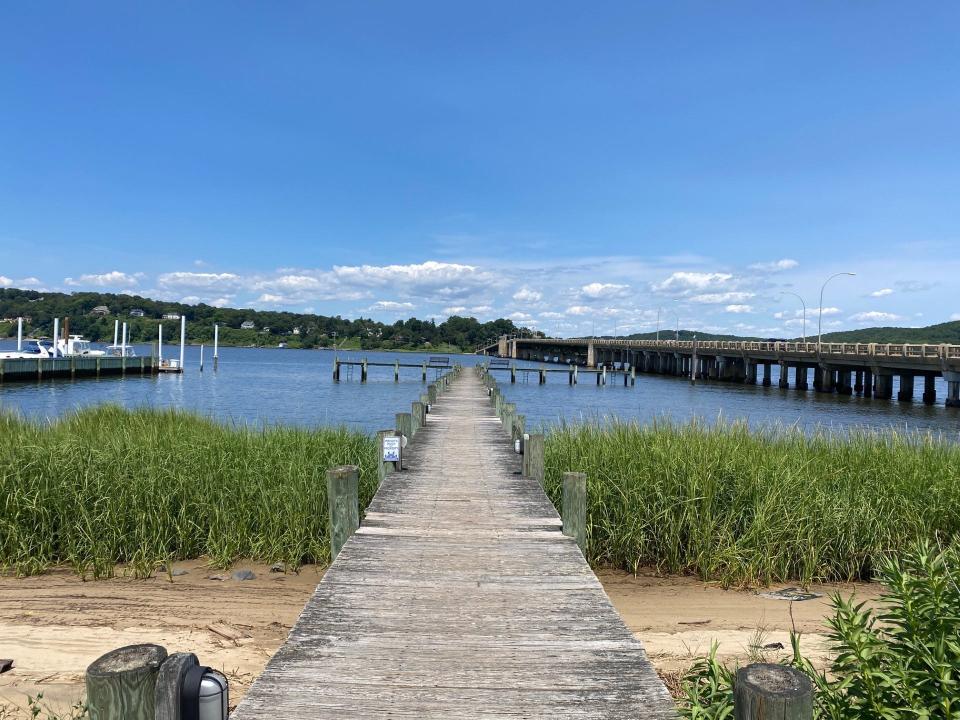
(459, 597)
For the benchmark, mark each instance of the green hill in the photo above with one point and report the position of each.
(948, 332)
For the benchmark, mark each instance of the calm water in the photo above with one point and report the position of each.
(270, 386)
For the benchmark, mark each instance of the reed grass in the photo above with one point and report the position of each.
(744, 507)
(145, 487)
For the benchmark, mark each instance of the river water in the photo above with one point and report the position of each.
(283, 386)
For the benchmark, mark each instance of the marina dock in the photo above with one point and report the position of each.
(77, 366)
(459, 597)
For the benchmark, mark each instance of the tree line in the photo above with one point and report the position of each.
(268, 327)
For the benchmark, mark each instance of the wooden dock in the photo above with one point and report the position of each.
(32, 369)
(459, 597)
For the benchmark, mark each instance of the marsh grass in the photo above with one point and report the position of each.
(744, 506)
(145, 487)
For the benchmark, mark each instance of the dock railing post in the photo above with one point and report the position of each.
(121, 685)
(575, 508)
(386, 466)
(405, 425)
(766, 691)
(535, 460)
(343, 500)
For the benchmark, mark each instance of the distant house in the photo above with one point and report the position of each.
(137, 312)
(296, 330)
(266, 330)
(248, 325)
(171, 316)
(100, 311)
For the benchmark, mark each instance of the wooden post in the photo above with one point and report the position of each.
(385, 467)
(633, 375)
(535, 456)
(543, 376)
(575, 508)
(336, 369)
(570, 378)
(121, 684)
(432, 394)
(423, 376)
(344, 503)
(416, 414)
(513, 374)
(519, 423)
(405, 424)
(169, 683)
(396, 371)
(363, 371)
(766, 691)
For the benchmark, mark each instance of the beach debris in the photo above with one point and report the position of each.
(773, 646)
(244, 575)
(278, 568)
(218, 577)
(6, 664)
(703, 621)
(228, 632)
(794, 594)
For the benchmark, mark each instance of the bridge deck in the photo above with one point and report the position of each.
(459, 598)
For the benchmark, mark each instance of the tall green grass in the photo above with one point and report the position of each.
(108, 486)
(732, 504)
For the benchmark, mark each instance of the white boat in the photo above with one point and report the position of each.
(32, 349)
(75, 345)
(121, 351)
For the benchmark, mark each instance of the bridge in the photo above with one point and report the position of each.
(867, 369)
(459, 597)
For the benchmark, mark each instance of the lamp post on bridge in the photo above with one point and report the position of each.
(820, 309)
(787, 292)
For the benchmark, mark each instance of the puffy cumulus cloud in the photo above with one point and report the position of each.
(775, 266)
(271, 299)
(221, 302)
(294, 283)
(874, 316)
(883, 292)
(720, 298)
(686, 282)
(5, 281)
(429, 280)
(596, 290)
(454, 310)
(29, 282)
(579, 310)
(390, 306)
(739, 309)
(199, 280)
(811, 313)
(480, 309)
(525, 294)
(114, 279)
(521, 317)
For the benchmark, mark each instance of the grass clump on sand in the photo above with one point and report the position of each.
(144, 487)
(741, 506)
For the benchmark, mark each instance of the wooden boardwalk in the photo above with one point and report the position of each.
(459, 597)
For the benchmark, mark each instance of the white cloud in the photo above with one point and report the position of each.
(955, 316)
(550, 315)
(5, 281)
(29, 282)
(199, 280)
(882, 292)
(271, 299)
(519, 317)
(597, 290)
(720, 298)
(114, 279)
(687, 281)
(579, 310)
(390, 305)
(739, 308)
(525, 294)
(454, 310)
(874, 316)
(221, 302)
(776, 265)
(481, 309)
(811, 313)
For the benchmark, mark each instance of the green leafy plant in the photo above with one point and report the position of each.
(901, 660)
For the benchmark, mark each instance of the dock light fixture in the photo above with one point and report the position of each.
(820, 309)
(205, 695)
(787, 292)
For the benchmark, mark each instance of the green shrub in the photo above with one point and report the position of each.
(899, 661)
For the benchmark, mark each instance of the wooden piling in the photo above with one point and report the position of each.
(396, 371)
(432, 394)
(535, 445)
(574, 512)
(405, 424)
(766, 691)
(417, 414)
(513, 374)
(386, 467)
(423, 376)
(363, 371)
(122, 683)
(336, 370)
(344, 503)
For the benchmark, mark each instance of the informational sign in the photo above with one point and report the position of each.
(391, 449)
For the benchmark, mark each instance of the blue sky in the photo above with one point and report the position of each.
(573, 166)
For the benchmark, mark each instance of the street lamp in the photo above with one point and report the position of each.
(659, 310)
(787, 292)
(820, 309)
